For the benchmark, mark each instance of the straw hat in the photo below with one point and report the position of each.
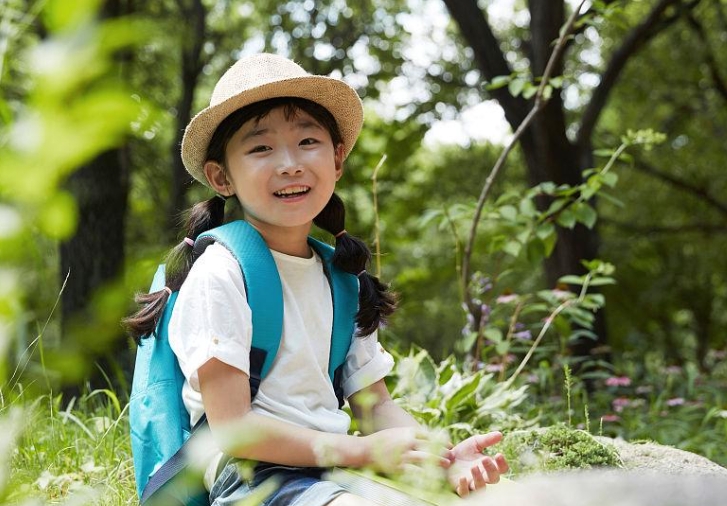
(261, 77)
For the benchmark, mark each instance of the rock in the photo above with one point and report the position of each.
(652, 457)
(607, 488)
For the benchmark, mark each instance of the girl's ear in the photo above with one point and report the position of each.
(217, 178)
(338, 156)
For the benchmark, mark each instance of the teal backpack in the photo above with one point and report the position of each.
(159, 420)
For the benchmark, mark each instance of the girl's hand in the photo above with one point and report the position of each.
(470, 469)
(390, 450)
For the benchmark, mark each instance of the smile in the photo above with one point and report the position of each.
(292, 191)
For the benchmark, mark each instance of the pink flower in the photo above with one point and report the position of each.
(619, 403)
(610, 418)
(676, 401)
(618, 381)
(506, 299)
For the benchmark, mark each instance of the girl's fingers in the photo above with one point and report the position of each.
(502, 464)
(463, 487)
(478, 478)
(491, 470)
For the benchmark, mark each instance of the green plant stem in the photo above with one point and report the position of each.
(511, 331)
(541, 334)
(539, 104)
(377, 233)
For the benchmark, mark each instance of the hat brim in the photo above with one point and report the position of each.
(336, 96)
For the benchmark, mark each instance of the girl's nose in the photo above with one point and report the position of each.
(289, 165)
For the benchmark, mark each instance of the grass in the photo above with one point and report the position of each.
(83, 450)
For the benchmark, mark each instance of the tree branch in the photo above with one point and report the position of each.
(699, 192)
(689, 228)
(634, 41)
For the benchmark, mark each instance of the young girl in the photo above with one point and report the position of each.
(275, 138)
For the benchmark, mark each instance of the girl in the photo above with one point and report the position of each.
(275, 138)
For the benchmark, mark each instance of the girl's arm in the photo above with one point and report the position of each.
(244, 434)
(375, 410)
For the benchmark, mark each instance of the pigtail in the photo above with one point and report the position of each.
(203, 216)
(376, 302)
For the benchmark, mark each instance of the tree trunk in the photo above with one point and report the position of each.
(94, 257)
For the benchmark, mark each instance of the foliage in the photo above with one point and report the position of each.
(82, 450)
(556, 448)
(446, 396)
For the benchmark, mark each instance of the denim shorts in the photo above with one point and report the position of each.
(293, 486)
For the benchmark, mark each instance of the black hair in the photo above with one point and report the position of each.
(351, 255)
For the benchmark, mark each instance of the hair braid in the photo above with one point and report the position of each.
(202, 217)
(376, 302)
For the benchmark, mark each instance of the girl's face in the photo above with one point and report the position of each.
(283, 171)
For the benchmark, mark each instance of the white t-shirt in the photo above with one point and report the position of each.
(212, 319)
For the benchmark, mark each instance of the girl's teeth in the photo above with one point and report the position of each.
(291, 191)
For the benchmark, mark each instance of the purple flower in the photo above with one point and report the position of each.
(493, 368)
(676, 401)
(523, 335)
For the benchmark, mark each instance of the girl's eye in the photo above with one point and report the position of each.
(259, 149)
(308, 141)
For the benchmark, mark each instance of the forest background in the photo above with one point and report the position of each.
(622, 167)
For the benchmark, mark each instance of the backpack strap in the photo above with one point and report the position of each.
(261, 278)
(344, 292)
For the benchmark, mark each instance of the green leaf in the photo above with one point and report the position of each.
(498, 82)
(512, 248)
(527, 208)
(606, 153)
(566, 218)
(493, 334)
(58, 217)
(502, 348)
(556, 206)
(609, 179)
(613, 200)
(572, 279)
(602, 281)
(509, 212)
(549, 243)
(585, 214)
(545, 230)
(516, 86)
(530, 90)
(463, 393)
(535, 250)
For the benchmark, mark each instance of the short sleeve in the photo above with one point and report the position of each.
(366, 363)
(211, 318)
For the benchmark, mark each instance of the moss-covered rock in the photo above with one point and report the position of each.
(556, 448)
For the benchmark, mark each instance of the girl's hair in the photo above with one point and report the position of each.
(351, 255)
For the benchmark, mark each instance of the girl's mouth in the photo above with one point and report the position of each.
(292, 191)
